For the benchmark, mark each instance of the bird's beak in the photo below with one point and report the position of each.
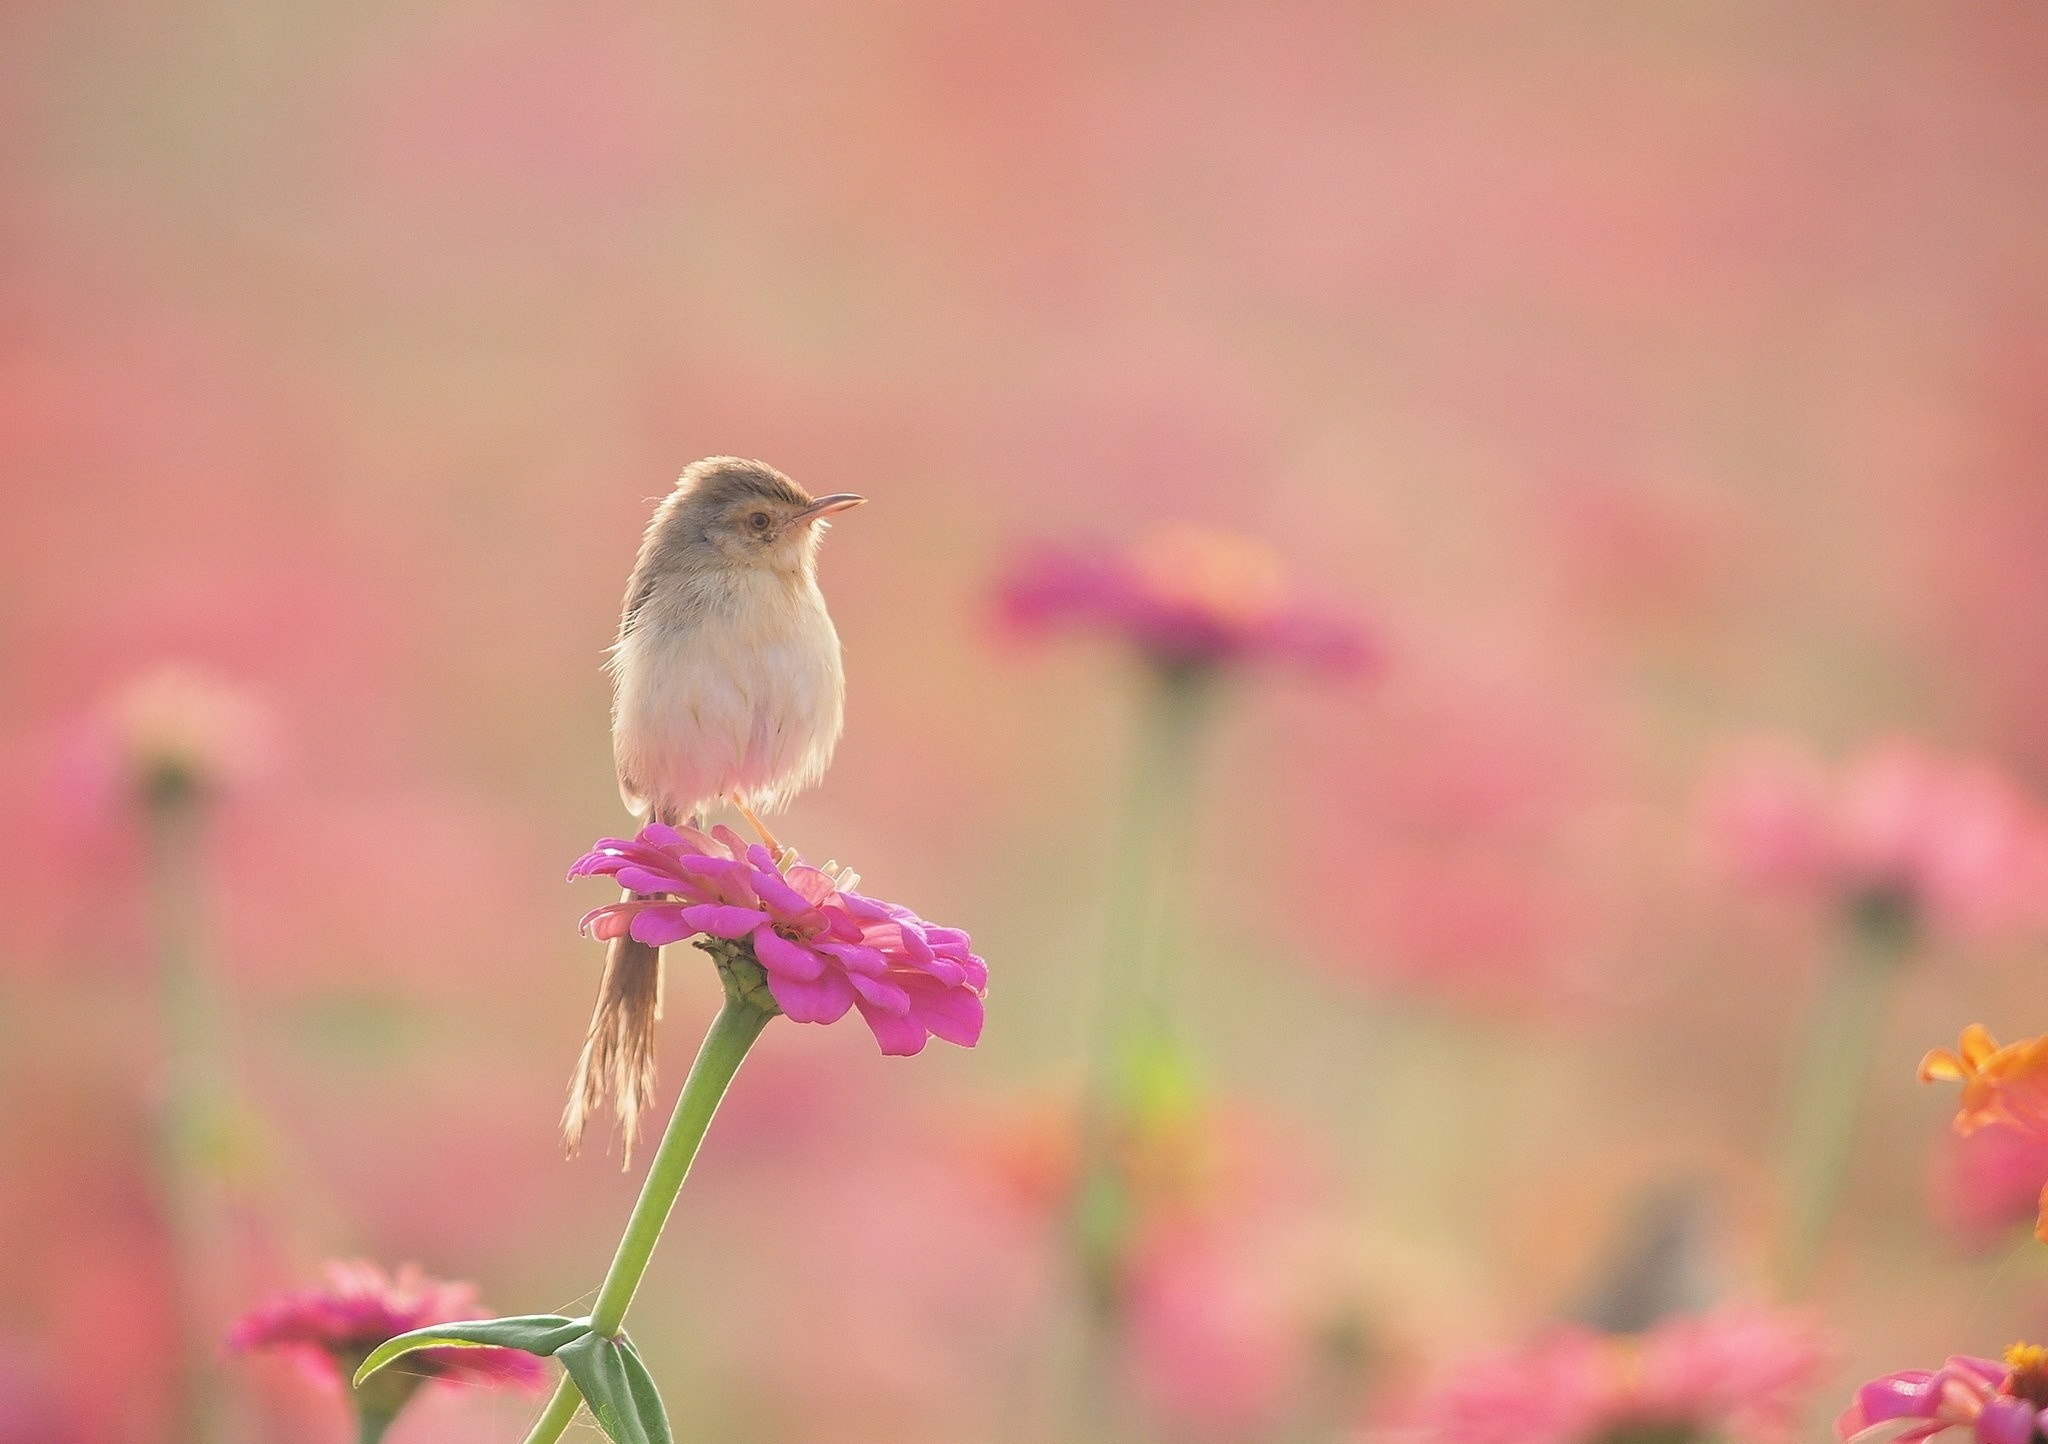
(826, 506)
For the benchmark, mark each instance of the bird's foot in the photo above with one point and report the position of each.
(783, 855)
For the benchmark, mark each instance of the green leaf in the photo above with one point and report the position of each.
(540, 1334)
(618, 1389)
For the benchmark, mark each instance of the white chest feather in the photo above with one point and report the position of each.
(744, 695)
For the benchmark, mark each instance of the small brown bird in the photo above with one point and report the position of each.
(726, 686)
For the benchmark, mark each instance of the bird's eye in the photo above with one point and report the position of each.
(759, 521)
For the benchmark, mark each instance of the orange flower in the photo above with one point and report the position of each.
(2000, 1085)
(2006, 1087)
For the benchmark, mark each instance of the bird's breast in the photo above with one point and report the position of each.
(746, 699)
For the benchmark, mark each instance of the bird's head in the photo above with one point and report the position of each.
(751, 515)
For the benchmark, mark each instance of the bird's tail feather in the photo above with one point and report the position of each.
(617, 1061)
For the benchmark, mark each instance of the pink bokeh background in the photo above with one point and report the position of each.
(1655, 378)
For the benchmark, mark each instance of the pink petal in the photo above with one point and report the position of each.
(693, 842)
(881, 993)
(823, 999)
(899, 1036)
(854, 958)
(911, 944)
(607, 922)
(864, 908)
(659, 925)
(1898, 1396)
(635, 878)
(814, 885)
(721, 920)
(842, 925)
(955, 1014)
(781, 956)
(593, 864)
(782, 899)
(2006, 1420)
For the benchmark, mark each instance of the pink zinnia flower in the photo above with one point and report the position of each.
(333, 1329)
(1998, 1403)
(1738, 1374)
(168, 733)
(1743, 1373)
(1183, 598)
(1955, 845)
(824, 948)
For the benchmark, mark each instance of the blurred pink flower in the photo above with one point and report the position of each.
(1215, 1341)
(1228, 1272)
(1739, 1374)
(824, 947)
(1956, 843)
(333, 1329)
(1476, 837)
(1744, 1373)
(175, 728)
(1998, 1403)
(1987, 1183)
(1184, 597)
(1555, 1391)
(30, 1412)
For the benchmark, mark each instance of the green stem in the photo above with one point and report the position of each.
(371, 1425)
(1133, 1073)
(733, 1031)
(1154, 838)
(555, 1418)
(191, 1121)
(1822, 1133)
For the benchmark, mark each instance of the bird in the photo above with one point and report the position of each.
(727, 686)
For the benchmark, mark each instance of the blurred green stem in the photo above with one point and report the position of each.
(739, 1022)
(192, 1144)
(1153, 845)
(371, 1425)
(1135, 1072)
(1834, 1070)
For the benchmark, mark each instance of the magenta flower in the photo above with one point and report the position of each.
(824, 948)
(1740, 1375)
(1998, 1403)
(333, 1329)
(1183, 598)
(1956, 845)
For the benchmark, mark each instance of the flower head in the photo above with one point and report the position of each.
(2001, 1085)
(1898, 833)
(333, 1329)
(1999, 1403)
(165, 737)
(1184, 598)
(824, 948)
(1735, 1374)
(2005, 1089)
